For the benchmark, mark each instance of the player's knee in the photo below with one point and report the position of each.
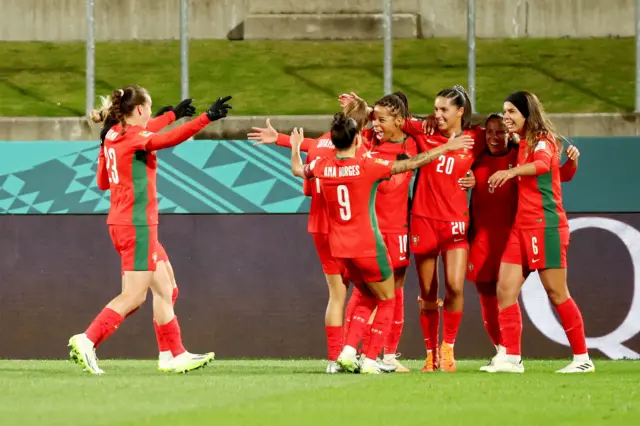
(507, 295)
(557, 296)
(454, 291)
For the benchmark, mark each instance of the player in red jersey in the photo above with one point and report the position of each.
(540, 236)
(164, 274)
(349, 185)
(493, 211)
(131, 163)
(318, 225)
(439, 223)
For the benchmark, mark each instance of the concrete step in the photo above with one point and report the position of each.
(330, 6)
(327, 26)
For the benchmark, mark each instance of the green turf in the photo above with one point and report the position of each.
(286, 393)
(269, 77)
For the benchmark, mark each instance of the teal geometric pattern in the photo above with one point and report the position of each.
(201, 176)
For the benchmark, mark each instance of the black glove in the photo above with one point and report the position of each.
(219, 109)
(184, 109)
(163, 111)
(400, 157)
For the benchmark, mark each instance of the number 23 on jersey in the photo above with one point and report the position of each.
(112, 170)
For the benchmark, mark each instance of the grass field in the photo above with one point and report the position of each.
(283, 393)
(268, 78)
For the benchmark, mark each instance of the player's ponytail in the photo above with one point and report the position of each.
(343, 131)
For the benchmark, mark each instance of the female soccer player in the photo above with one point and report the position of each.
(493, 211)
(540, 236)
(318, 225)
(129, 152)
(349, 184)
(164, 274)
(439, 223)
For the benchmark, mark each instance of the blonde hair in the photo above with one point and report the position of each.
(357, 110)
(539, 125)
(100, 115)
(117, 107)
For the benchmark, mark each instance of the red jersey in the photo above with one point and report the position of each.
(315, 148)
(349, 188)
(127, 165)
(540, 196)
(392, 201)
(493, 210)
(437, 193)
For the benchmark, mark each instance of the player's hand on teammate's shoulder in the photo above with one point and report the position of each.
(219, 109)
(262, 136)
(430, 124)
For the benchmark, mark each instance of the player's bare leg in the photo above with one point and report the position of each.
(489, 304)
(333, 319)
(429, 308)
(182, 361)
(510, 280)
(455, 267)
(384, 293)
(132, 296)
(393, 338)
(555, 283)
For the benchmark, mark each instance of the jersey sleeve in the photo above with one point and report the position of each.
(285, 141)
(102, 174)
(312, 169)
(377, 168)
(568, 171)
(150, 141)
(413, 126)
(156, 124)
(542, 154)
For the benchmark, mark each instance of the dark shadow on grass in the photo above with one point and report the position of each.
(377, 71)
(100, 86)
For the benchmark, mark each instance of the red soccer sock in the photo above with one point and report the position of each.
(334, 341)
(103, 325)
(573, 325)
(174, 295)
(172, 337)
(510, 320)
(380, 327)
(490, 310)
(430, 325)
(162, 344)
(111, 331)
(393, 338)
(359, 320)
(451, 325)
(354, 300)
(366, 339)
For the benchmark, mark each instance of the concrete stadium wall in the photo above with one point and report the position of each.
(79, 129)
(64, 20)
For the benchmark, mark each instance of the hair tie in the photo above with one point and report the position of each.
(121, 92)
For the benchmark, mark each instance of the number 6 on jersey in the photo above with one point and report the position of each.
(110, 155)
(343, 200)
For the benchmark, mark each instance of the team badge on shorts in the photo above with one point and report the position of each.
(415, 239)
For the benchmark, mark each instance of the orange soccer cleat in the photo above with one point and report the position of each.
(431, 362)
(448, 362)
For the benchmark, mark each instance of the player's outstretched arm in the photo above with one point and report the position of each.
(269, 135)
(217, 111)
(169, 114)
(454, 144)
(297, 168)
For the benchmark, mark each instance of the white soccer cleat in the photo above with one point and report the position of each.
(83, 353)
(393, 359)
(385, 367)
(500, 350)
(370, 366)
(164, 362)
(503, 363)
(580, 364)
(333, 368)
(187, 361)
(348, 359)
